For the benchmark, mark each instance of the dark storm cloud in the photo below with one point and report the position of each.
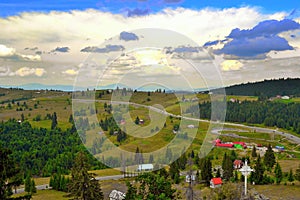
(260, 40)
(127, 36)
(61, 49)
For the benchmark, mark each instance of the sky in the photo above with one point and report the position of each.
(202, 43)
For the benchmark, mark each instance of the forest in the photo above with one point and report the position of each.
(267, 88)
(43, 152)
(268, 113)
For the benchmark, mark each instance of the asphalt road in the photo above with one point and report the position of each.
(46, 186)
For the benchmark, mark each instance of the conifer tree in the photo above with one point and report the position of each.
(83, 185)
(278, 173)
(291, 176)
(269, 159)
(253, 153)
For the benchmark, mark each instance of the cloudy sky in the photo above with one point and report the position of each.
(226, 42)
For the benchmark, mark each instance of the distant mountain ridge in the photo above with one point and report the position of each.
(269, 88)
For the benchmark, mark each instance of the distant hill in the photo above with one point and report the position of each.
(267, 88)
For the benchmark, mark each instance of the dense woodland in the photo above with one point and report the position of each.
(41, 151)
(271, 114)
(268, 88)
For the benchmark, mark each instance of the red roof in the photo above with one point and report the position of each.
(224, 145)
(216, 181)
(237, 162)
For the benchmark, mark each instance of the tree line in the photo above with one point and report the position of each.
(271, 114)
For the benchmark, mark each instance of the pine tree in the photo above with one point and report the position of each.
(227, 167)
(28, 184)
(54, 121)
(297, 174)
(291, 176)
(278, 173)
(137, 120)
(253, 153)
(32, 187)
(218, 174)
(269, 159)
(83, 185)
(258, 174)
(9, 173)
(206, 173)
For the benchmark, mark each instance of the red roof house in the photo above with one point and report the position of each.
(215, 182)
(237, 164)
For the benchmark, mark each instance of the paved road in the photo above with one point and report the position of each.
(116, 177)
(100, 178)
(289, 136)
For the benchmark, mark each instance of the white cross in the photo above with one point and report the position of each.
(246, 170)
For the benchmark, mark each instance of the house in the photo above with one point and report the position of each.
(285, 97)
(191, 126)
(116, 195)
(141, 121)
(237, 164)
(215, 182)
(145, 167)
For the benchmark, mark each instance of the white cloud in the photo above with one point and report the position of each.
(70, 72)
(26, 71)
(229, 65)
(6, 51)
(10, 53)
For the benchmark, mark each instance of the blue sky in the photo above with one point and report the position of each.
(14, 7)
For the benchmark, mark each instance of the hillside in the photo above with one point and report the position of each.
(267, 88)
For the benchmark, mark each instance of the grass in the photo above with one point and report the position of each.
(48, 195)
(279, 192)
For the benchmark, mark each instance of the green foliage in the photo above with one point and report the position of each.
(9, 173)
(258, 175)
(151, 186)
(205, 167)
(54, 121)
(267, 88)
(297, 174)
(253, 153)
(29, 185)
(59, 182)
(256, 112)
(278, 173)
(269, 158)
(291, 176)
(40, 151)
(227, 167)
(83, 185)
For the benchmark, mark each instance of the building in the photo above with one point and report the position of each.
(145, 167)
(285, 97)
(237, 164)
(191, 126)
(116, 195)
(188, 178)
(215, 182)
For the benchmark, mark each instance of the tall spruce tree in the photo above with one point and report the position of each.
(291, 176)
(54, 121)
(206, 172)
(9, 173)
(297, 173)
(258, 174)
(253, 153)
(269, 159)
(83, 185)
(278, 173)
(227, 167)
